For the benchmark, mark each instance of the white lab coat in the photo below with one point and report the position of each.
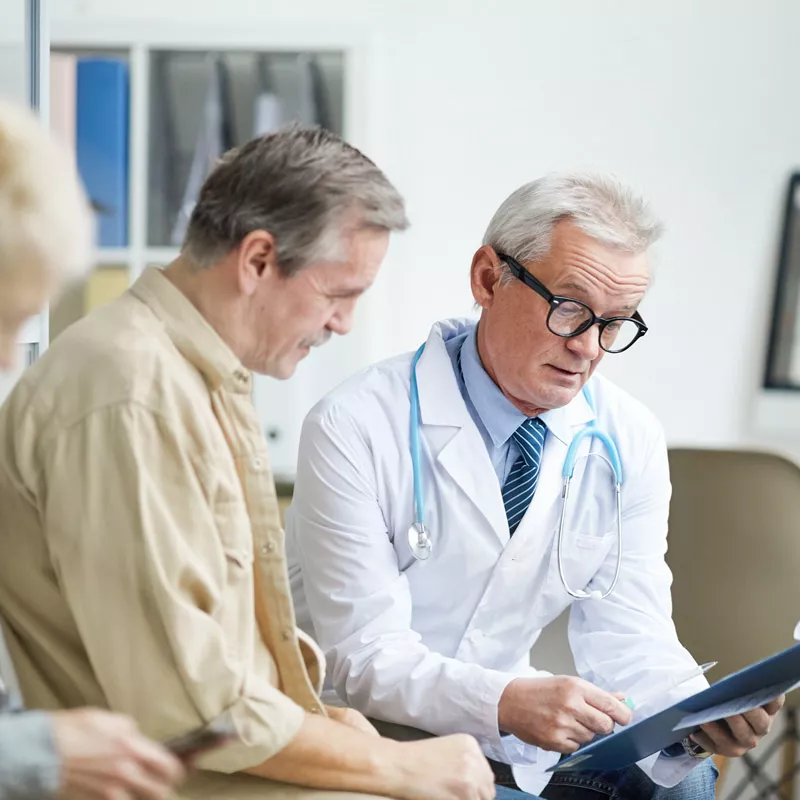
(433, 644)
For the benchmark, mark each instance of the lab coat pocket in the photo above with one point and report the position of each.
(583, 556)
(591, 541)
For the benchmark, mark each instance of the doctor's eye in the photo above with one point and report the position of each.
(569, 310)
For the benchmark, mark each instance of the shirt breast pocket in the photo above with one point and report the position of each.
(235, 610)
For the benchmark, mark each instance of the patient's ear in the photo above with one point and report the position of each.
(257, 260)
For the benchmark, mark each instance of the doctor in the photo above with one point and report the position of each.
(431, 627)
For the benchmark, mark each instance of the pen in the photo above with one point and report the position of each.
(677, 681)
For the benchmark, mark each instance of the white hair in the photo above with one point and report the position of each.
(600, 205)
(46, 222)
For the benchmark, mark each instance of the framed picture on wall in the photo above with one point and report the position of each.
(783, 355)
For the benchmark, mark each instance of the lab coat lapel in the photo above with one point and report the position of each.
(452, 437)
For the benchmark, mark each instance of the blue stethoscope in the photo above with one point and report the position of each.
(419, 538)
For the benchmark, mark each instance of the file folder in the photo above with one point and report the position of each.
(102, 143)
(742, 691)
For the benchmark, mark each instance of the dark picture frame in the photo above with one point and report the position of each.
(783, 352)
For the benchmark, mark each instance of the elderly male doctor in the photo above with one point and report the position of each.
(442, 644)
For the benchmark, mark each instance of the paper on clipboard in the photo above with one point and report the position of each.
(739, 706)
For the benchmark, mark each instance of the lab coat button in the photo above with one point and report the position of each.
(476, 635)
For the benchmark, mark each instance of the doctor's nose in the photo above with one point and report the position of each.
(587, 344)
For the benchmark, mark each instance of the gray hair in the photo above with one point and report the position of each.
(302, 185)
(600, 205)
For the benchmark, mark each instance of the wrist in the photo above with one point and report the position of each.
(333, 712)
(508, 707)
(694, 750)
(395, 770)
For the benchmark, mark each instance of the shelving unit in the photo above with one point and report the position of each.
(167, 94)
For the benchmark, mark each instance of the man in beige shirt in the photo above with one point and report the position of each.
(46, 236)
(147, 571)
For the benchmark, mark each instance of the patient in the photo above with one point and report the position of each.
(148, 571)
(46, 235)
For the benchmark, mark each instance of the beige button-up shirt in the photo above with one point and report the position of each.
(143, 565)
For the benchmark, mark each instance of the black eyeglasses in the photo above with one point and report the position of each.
(568, 317)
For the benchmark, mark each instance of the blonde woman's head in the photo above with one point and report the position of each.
(46, 223)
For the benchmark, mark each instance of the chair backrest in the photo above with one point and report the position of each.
(9, 688)
(734, 550)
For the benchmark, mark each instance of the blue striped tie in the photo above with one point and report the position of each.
(521, 481)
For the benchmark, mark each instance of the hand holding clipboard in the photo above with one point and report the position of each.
(741, 692)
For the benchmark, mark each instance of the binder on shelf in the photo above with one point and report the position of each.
(267, 111)
(214, 137)
(102, 143)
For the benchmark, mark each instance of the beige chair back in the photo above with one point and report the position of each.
(734, 550)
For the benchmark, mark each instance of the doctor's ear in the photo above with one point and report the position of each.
(485, 275)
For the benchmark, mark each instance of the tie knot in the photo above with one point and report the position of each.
(529, 437)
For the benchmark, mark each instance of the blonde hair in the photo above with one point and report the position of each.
(46, 222)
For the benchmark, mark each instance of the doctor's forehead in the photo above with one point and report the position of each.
(578, 261)
(629, 296)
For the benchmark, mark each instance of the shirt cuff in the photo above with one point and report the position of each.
(30, 766)
(507, 749)
(668, 771)
(490, 740)
(264, 724)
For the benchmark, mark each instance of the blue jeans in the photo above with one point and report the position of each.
(625, 784)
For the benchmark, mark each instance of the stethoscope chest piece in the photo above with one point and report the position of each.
(419, 542)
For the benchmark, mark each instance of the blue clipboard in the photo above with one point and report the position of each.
(742, 691)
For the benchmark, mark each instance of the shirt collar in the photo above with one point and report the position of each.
(191, 333)
(498, 414)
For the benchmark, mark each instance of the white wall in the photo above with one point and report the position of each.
(694, 101)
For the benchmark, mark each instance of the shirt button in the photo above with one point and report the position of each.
(312, 710)
(241, 376)
(257, 464)
(287, 635)
(476, 635)
(269, 547)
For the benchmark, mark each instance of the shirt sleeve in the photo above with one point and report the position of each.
(29, 763)
(154, 555)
